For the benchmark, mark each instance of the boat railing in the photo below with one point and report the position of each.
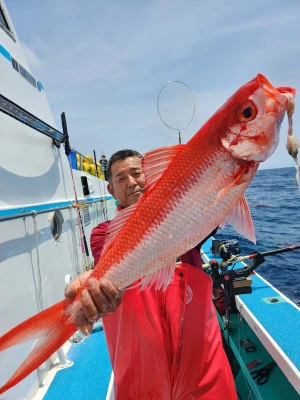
(84, 163)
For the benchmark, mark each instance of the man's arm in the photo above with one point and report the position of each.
(101, 298)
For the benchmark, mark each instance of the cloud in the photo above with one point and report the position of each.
(104, 63)
(33, 59)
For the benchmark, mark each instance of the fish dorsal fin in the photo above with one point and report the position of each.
(155, 162)
(159, 279)
(240, 218)
(117, 224)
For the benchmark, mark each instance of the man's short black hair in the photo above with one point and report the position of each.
(120, 155)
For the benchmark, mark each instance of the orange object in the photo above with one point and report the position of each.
(191, 189)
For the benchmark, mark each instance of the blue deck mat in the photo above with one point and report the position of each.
(281, 320)
(88, 378)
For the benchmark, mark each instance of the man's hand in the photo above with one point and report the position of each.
(98, 300)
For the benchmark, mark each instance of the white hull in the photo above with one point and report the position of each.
(36, 181)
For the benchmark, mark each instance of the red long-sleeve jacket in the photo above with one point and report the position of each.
(167, 345)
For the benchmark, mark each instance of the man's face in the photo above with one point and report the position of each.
(128, 181)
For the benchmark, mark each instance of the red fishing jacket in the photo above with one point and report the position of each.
(167, 345)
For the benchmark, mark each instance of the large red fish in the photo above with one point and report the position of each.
(191, 189)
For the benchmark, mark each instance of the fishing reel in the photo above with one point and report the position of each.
(226, 276)
(225, 248)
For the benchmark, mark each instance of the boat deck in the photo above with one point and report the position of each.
(88, 378)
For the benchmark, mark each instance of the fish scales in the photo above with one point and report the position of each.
(202, 185)
(172, 220)
(187, 181)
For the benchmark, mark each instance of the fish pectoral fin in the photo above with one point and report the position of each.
(155, 162)
(240, 218)
(160, 279)
(239, 179)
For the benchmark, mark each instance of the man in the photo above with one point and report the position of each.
(103, 162)
(163, 345)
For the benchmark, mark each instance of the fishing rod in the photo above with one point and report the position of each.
(233, 259)
(222, 275)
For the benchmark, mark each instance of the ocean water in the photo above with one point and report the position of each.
(274, 200)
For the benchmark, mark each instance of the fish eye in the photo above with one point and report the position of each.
(246, 112)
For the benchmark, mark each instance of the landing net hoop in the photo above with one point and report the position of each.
(176, 106)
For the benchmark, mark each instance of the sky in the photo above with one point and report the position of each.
(106, 64)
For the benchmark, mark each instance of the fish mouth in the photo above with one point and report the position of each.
(286, 89)
(280, 100)
(279, 95)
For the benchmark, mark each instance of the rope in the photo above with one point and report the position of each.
(74, 254)
(38, 284)
(85, 257)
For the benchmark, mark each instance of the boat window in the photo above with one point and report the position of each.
(56, 222)
(3, 21)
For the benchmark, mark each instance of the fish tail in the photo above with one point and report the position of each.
(51, 329)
